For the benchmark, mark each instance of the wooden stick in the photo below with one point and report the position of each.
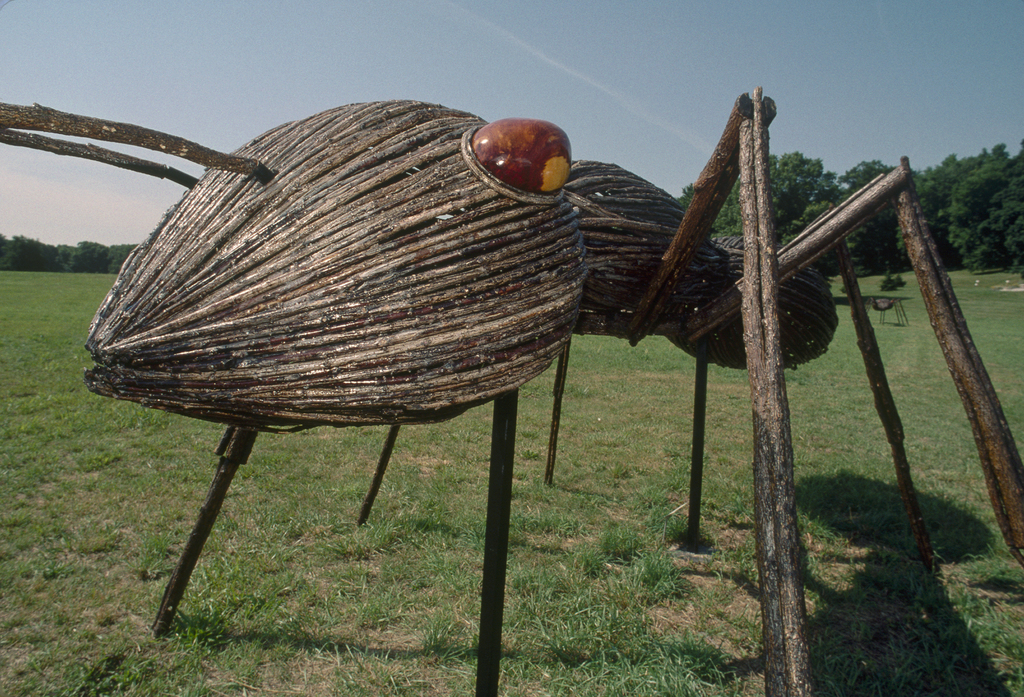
(234, 450)
(378, 475)
(41, 118)
(1000, 459)
(783, 613)
(556, 411)
(93, 152)
(710, 191)
(885, 405)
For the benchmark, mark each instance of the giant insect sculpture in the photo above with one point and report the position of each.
(399, 262)
(883, 305)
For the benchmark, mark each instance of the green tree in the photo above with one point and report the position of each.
(974, 207)
(728, 222)
(687, 196)
(23, 254)
(1006, 214)
(118, 254)
(935, 190)
(979, 242)
(65, 257)
(90, 257)
(802, 189)
(730, 218)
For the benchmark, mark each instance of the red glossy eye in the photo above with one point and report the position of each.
(528, 154)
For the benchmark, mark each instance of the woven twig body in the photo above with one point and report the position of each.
(627, 225)
(378, 278)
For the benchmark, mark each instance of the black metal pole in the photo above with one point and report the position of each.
(700, 402)
(499, 502)
(378, 476)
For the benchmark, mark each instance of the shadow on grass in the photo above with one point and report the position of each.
(841, 299)
(892, 629)
(871, 513)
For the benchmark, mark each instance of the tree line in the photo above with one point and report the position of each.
(24, 254)
(974, 207)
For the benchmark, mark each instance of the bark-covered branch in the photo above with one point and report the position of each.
(783, 612)
(98, 154)
(710, 192)
(41, 118)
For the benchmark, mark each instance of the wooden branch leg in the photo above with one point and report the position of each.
(709, 193)
(885, 405)
(819, 237)
(1000, 459)
(234, 450)
(378, 476)
(783, 613)
(499, 506)
(700, 403)
(556, 411)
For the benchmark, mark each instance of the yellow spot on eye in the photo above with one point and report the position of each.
(555, 174)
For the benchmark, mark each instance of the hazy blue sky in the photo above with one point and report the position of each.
(647, 85)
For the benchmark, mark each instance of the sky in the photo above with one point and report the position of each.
(643, 84)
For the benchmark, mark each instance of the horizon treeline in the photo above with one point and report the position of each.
(24, 254)
(974, 207)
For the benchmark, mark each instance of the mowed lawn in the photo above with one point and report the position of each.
(290, 597)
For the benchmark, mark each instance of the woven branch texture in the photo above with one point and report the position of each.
(627, 225)
(378, 278)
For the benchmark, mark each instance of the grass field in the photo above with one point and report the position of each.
(291, 598)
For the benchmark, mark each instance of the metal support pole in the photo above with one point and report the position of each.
(499, 504)
(700, 402)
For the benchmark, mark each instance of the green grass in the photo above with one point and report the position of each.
(290, 597)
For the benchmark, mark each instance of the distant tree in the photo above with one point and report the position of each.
(65, 257)
(118, 254)
(687, 196)
(728, 221)
(22, 254)
(90, 257)
(974, 207)
(801, 191)
(979, 242)
(890, 282)
(1006, 213)
(935, 190)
